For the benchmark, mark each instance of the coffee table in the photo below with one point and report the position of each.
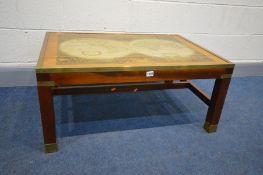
(80, 63)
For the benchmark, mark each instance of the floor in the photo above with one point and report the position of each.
(157, 132)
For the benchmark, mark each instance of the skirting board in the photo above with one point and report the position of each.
(25, 76)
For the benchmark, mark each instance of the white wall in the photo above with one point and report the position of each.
(231, 28)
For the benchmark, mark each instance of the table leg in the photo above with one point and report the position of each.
(47, 118)
(216, 105)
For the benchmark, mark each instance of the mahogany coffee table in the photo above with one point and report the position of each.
(80, 63)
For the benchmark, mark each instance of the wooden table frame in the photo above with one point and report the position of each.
(51, 84)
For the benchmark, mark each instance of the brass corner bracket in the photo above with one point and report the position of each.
(46, 83)
(210, 128)
(226, 76)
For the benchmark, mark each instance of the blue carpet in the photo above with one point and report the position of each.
(157, 132)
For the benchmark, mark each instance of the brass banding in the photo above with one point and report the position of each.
(210, 128)
(50, 148)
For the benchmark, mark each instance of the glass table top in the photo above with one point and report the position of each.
(106, 52)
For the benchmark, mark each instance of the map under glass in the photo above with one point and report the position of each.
(93, 49)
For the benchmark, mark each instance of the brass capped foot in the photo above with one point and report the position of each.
(50, 148)
(210, 128)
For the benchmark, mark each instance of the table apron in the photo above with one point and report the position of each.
(77, 78)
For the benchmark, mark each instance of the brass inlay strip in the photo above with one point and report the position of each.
(50, 148)
(140, 68)
(46, 83)
(210, 128)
